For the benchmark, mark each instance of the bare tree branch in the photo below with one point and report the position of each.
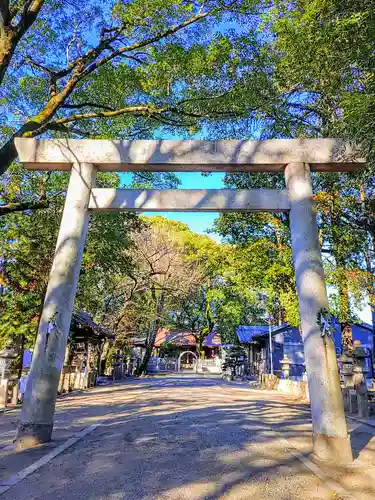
(71, 42)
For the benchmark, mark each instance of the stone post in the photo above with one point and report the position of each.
(3, 393)
(36, 421)
(330, 435)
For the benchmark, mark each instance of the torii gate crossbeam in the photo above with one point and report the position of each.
(84, 158)
(188, 200)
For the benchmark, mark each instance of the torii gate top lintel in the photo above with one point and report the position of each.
(324, 155)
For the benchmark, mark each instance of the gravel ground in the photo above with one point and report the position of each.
(185, 439)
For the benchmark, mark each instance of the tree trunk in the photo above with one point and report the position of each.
(6, 38)
(10, 35)
(344, 311)
(198, 345)
(368, 252)
(99, 361)
(344, 303)
(151, 338)
(342, 287)
(22, 349)
(37, 125)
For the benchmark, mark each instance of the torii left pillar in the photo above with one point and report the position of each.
(36, 421)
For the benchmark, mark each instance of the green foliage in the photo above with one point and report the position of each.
(136, 69)
(27, 243)
(262, 260)
(324, 53)
(168, 349)
(299, 69)
(234, 359)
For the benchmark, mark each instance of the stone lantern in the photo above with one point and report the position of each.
(360, 355)
(346, 361)
(359, 367)
(7, 355)
(285, 366)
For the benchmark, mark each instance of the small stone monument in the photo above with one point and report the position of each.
(7, 355)
(359, 379)
(285, 366)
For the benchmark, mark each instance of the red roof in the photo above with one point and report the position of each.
(176, 337)
(212, 340)
(185, 338)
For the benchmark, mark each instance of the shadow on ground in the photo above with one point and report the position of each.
(181, 439)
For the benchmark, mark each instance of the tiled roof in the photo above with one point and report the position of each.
(181, 337)
(212, 340)
(83, 319)
(246, 333)
(176, 337)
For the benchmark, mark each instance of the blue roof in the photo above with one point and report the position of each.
(365, 325)
(247, 333)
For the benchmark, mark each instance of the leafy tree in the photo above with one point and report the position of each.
(225, 297)
(343, 206)
(262, 256)
(131, 68)
(161, 276)
(234, 360)
(193, 312)
(323, 52)
(321, 61)
(27, 243)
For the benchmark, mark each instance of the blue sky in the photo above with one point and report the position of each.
(198, 222)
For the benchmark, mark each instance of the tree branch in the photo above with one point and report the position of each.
(67, 130)
(109, 114)
(39, 66)
(71, 42)
(21, 207)
(130, 48)
(87, 104)
(79, 69)
(91, 54)
(134, 58)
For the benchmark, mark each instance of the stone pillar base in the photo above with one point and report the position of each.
(29, 435)
(336, 450)
(363, 406)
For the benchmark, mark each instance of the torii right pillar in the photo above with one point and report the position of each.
(331, 441)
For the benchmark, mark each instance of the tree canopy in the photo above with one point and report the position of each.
(122, 69)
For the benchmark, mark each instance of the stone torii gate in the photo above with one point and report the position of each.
(83, 158)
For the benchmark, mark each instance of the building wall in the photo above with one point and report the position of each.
(293, 348)
(293, 345)
(289, 341)
(364, 335)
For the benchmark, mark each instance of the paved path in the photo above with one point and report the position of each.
(183, 439)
